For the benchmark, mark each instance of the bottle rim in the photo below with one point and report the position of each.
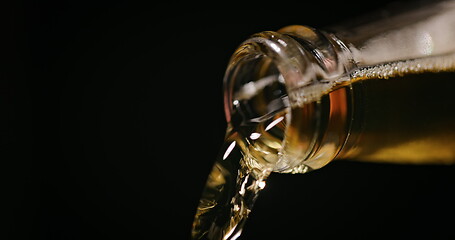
(309, 62)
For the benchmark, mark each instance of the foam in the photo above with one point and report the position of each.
(315, 91)
(400, 68)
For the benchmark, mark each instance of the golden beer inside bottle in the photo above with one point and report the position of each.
(405, 119)
(407, 116)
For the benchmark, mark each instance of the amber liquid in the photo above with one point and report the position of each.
(392, 115)
(404, 119)
(238, 175)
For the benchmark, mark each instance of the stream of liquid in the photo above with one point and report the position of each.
(238, 175)
(252, 148)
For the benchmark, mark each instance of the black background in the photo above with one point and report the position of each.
(112, 114)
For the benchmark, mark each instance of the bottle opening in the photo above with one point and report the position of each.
(282, 78)
(257, 92)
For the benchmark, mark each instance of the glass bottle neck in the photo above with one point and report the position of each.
(308, 73)
(307, 64)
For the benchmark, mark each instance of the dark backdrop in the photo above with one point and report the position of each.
(112, 114)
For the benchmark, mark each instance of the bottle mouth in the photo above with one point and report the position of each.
(256, 93)
(264, 59)
(282, 76)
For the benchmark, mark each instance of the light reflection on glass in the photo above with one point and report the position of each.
(229, 150)
(274, 122)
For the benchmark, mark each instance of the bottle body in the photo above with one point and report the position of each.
(406, 119)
